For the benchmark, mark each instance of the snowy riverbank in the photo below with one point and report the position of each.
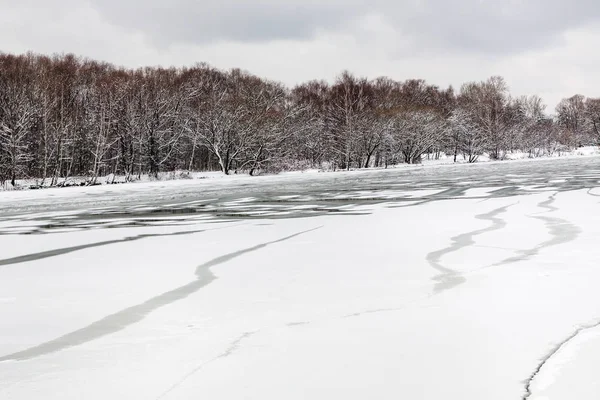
(420, 283)
(428, 161)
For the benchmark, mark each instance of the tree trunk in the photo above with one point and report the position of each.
(368, 161)
(224, 166)
(191, 163)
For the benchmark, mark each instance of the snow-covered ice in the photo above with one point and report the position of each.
(383, 284)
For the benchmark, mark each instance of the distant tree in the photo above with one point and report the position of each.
(19, 113)
(467, 139)
(487, 104)
(592, 116)
(64, 116)
(570, 115)
(315, 141)
(416, 131)
(348, 113)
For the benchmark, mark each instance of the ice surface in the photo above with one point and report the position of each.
(369, 284)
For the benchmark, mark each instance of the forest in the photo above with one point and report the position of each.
(63, 116)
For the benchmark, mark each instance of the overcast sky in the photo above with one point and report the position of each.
(545, 47)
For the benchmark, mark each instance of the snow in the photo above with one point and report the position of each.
(428, 160)
(414, 287)
(573, 371)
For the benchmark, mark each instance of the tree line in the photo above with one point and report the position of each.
(63, 116)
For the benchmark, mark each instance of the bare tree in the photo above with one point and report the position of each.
(487, 103)
(63, 116)
(571, 117)
(592, 115)
(416, 132)
(466, 135)
(315, 141)
(18, 114)
(349, 105)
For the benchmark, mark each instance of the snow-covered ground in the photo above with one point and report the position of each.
(428, 160)
(448, 282)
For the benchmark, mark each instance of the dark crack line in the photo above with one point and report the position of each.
(380, 310)
(560, 230)
(448, 277)
(233, 347)
(295, 324)
(592, 194)
(129, 316)
(54, 227)
(66, 250)
(551, 354)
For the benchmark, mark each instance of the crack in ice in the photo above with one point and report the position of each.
(129, 316)
(560, 230)
(552, 353)
(66, 250)
(592, 194)
(234, 346)
(450, 278)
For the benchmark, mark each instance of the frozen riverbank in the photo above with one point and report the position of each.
(426, 284)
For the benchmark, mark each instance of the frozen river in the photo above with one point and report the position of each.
(450, 282)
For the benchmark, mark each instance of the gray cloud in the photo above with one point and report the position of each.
(467, 25)
(199, 22)
(543, 47)
(493, 26)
